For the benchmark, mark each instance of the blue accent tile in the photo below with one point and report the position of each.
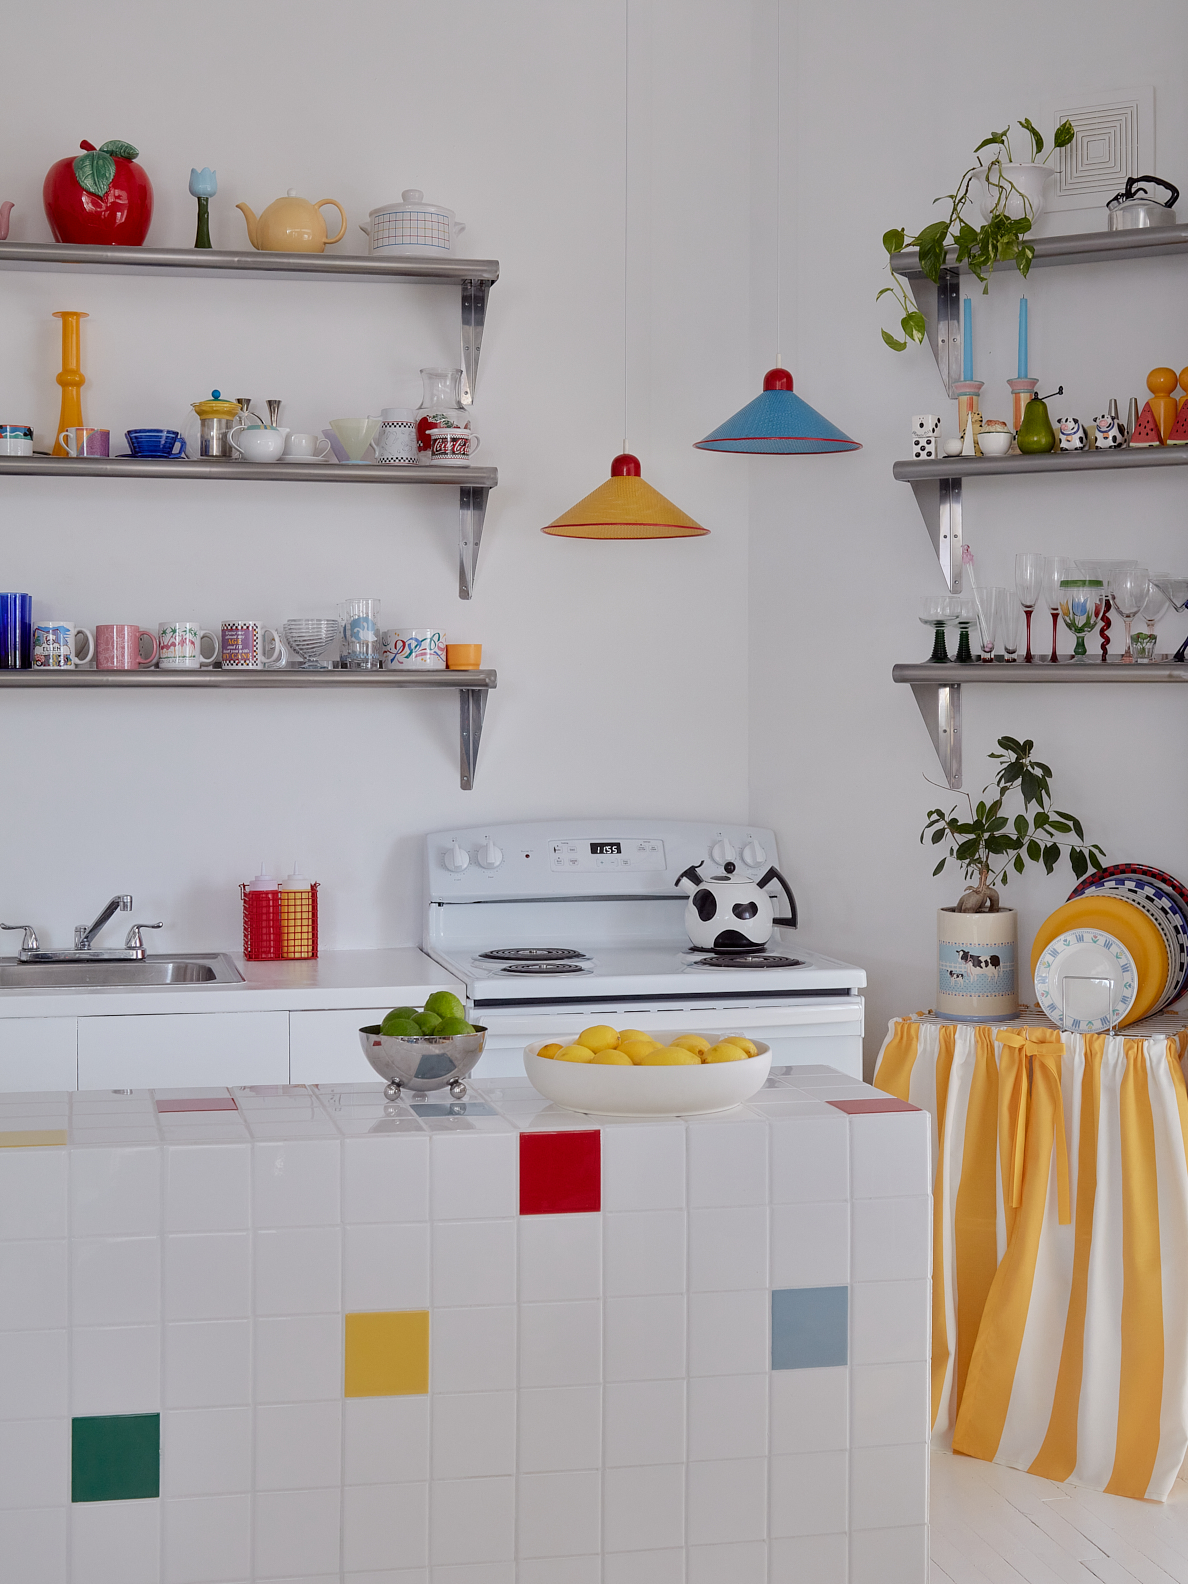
(809, 1327)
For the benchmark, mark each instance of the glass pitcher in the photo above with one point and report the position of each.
(441, 407)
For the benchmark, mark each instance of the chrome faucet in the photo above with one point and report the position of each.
(83, 937)
(133, 948)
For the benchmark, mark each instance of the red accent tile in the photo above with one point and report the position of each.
(209, 1103)
(866, 1107)
(560, 1173)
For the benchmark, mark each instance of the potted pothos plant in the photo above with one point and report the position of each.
(977, 938)
(1010, 198)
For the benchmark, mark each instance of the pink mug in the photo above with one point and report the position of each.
(118, 647)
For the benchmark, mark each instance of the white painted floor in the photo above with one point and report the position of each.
(993, 1525)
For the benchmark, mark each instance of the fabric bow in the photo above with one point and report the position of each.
(1040, 1050)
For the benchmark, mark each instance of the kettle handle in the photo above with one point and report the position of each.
(689, 874)
(334, 203)
(1157, 181)
(774, 874)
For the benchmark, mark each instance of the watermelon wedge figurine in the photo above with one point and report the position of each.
(1179, 434)
(99, 196)
(1146, 431)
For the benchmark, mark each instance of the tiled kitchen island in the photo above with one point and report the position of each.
(279, 1334)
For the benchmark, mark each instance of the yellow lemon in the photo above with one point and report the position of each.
(612, 1058)
(697, 1043)
(633, 1034)
(548, 1050)
(724, 1051)
(599, 1038)
(635, 1050)
(669, 1056)
(745, 1044)
(575, 1053)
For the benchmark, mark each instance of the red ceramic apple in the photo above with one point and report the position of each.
(100, 196)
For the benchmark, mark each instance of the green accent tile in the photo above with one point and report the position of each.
(115, 1457)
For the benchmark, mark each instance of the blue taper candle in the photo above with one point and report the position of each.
(1022, 338)
(967, 342)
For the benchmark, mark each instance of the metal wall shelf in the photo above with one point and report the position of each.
(472, 688)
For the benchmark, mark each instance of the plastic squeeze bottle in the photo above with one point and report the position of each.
(296, 916)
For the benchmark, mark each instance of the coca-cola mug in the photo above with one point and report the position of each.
(452, 445)
(119, 646)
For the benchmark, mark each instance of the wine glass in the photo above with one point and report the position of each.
(940, 611)
(1029, 585)
(1128, 589)
(1056, 569)
(991, 604)
(964, 620)
(1176, 589)
(1106, 571)
(1154, 608)
(1081, 601)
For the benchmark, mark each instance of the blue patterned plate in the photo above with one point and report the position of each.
(1086, 954)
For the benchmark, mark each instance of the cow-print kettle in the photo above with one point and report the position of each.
(730, 910)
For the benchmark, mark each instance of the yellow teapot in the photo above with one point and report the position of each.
(292, 225)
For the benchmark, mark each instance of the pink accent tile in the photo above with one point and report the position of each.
(208, 1103)
(866, 1107)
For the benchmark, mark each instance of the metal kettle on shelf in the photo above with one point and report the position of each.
(730, 911)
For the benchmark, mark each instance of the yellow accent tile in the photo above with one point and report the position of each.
(32, 1138)
(387, 1354)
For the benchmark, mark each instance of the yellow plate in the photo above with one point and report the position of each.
(1139, 934)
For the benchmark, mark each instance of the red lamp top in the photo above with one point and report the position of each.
(626, 466)
(777, 379)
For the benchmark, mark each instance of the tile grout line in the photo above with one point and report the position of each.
(430, 1159)
(161, 1160)
(251, 1208)
(688, 1212)
(70, 1381)
(342, 1424)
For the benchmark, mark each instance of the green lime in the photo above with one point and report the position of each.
(393, 1025)
(404, 1012)
(448, 1027)
(445, 1005)
(427, 1022)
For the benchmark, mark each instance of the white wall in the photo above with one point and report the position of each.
(882, 105)
(609, 697)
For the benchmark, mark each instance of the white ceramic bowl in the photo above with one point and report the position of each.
(995, 442)
(604, 1090)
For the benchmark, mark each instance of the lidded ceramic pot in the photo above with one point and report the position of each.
(412, 228)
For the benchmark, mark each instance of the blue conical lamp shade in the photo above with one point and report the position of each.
(777, 423)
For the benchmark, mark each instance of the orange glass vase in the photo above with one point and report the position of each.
(71, 379)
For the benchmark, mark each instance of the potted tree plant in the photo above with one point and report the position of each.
(977, 938)
(1010, 197)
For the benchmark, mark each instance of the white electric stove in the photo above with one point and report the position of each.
(556, 924)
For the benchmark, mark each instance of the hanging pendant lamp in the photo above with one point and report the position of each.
(625, 507)
(777, 422)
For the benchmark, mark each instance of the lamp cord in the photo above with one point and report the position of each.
(626, 186)
(779, 190)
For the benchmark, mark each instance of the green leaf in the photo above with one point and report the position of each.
(940, 866)
(992, 140)
(969, 849)
(1010, 744)
(1040, 821)
(912, 324)
(938, 836)
(1080, 864)
(1018, 865)
(1033, 850)
(1064, 135)
(1022, 828)
(1076, 825)
(1093, 859)
(884, 292)
(1037, 138)
(119, 150)
(1062, 826)
(1025, 256)
(896, 346)
(893, 241)
(94, 171)
(1051, 857)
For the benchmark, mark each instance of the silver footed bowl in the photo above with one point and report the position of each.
(424, 1064)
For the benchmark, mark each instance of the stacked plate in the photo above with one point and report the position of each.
(1117, 951)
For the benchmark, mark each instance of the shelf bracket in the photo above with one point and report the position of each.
(472, 511)
(472, 707)
(940, 705)
(939, 501)
(474, 316)
(941, 306)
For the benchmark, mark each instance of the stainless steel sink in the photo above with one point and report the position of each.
(195, 969)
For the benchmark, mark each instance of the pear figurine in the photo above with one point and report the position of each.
(1036, 434)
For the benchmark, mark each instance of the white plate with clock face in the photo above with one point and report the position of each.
(1105, 986)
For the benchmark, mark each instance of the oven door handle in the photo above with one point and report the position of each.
(774, 874)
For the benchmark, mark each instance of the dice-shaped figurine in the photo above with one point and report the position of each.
(926, 424)
(924, 447)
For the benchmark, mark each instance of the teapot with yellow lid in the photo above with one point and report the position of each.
(292, 225)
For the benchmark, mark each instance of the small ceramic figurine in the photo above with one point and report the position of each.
(1109, 435)
(1072, 434)
(925, 436)
(1146, 431)
(203, 186)
(1161, 382)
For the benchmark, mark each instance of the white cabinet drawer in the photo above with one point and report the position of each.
(170, 1051)
(324, 1046)
(38, 1053)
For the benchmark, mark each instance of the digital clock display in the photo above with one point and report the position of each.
(605, 849)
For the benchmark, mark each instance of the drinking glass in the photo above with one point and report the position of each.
(311, 637)
(1154, 609)
(1029, 585)
(16, 632)
(1107, 571)
(1056, 569)
(940, 611)
(1081, 601)
(991, 604)
(1010, 626)
(360, 628)
(1128, 589)
(1176, 589)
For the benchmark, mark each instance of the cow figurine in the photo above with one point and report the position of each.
(1109, 433)
(1072, 434)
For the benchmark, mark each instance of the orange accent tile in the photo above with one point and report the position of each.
(387, 1354)
(32, 1138)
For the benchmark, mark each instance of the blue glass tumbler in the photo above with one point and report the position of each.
(16, 632)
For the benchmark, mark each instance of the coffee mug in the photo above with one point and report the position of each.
(155, 442)
(180, 646)
(86, 442)
(56, 646)
(16, 439)
(452, 445)
(258, 445)
(118, 647)
(396, 442)
(414, 649)
(245, 644)
(16, 632)
(305, 448)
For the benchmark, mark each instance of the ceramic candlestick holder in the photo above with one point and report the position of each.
(1022, 390)
(967, 393)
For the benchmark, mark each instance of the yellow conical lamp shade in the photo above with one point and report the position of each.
(625, 508)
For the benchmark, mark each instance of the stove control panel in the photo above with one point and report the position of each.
(632, 852)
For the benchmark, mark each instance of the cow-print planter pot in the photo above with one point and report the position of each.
(976, 955)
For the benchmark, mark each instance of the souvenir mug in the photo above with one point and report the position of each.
(396, 442)
(155, 442)
(119, 647)
(305, 448)
(415, 649)
(56, 646)
(16, 439)
(453, 446)
(245, 644)
(180, 646)
(16, 632)
(86, 442)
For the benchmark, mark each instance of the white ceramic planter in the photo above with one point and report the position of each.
(1031, 181)
(976, 955)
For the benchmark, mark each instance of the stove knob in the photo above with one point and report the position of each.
(454, 858)
(722, 851)
(490, 856)
(753, 855)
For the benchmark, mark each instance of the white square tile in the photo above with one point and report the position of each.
(727, 1501)
(727, 1249)
(645, 1338)
(474, 1433)
(116, 1281)
(115, 1541)
(729, 1564)
(34, 1463)
(730, 1333)
(385, 1439)
(299, 1359)
(298, 1271)
(809, 1493)
(33, 1543)
(646, 1567)
(33, 1374)
(889, 1556)
(727, 1417)
(890, 1403)
(207, 1539)
(810, 1410)
(644, 1508)
(115, 1192)
(207, 1187)
(645, 1253)
(824, 1558)
(115, 1369)
(890, 1154)
(645, 1423)
(206, 1451)
(297, 1533)
(890, 1321)
(473, 1176)
(810, 1159)
(385, 1179)
(33, 1192)
(558, 1514)
(385, 1527)
(888, 1486)
(208, 1364)
(472, 1520)
(892, 1238)
(295, 1183)
(473, 1350)
(560, 1258)
(32, 1286)
(474, 1262)
(207, 1276)
(298, 1445)
(464, 1573)
(385, 1267)
(727, 1162)
(643, 1168)
(561, 1344)
(810, 1245)
(559, 1570)
(560, 1428)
